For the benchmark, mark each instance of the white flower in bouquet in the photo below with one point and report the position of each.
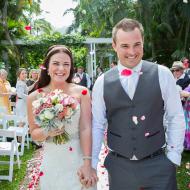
(42, 117)
(59, 107)
(48, 114)
(36, 104)
(54, 98)
(69, 112)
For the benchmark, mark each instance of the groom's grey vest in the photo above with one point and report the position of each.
(124, 136)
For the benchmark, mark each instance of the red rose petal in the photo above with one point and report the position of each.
(84, 92)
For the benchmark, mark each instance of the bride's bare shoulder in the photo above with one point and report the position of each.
(78, 89)
(35, 94)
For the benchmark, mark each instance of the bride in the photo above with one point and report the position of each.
(66, 166)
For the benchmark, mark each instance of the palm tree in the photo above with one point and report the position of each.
(13, 14)
(41, 26)
(96, 18)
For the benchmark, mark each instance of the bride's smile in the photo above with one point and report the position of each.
(59, 67)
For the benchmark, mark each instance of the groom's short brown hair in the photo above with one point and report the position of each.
(127, 25)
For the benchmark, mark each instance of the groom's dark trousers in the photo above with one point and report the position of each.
(152, 173)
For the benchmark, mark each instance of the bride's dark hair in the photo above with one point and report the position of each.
(44, 78)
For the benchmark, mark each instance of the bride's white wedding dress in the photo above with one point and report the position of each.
(61, 162)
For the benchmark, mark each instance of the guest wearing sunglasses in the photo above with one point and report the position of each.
(182, 78)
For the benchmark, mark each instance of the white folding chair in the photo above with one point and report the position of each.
(3, 111)
(20, 131)
(9, 149)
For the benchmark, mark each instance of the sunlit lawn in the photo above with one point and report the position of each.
(182, 175)
(18, 174)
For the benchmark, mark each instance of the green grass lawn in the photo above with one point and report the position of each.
(182, 173)
(183, 178)
(18, 174)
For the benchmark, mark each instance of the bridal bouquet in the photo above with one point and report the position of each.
(54, 110)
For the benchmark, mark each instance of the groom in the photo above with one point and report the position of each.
(139, 102)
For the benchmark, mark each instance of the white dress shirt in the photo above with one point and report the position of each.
(174, 120)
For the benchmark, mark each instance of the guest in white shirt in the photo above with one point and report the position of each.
(141, 105)
(22, 93)
(99, 71)
(82, 78)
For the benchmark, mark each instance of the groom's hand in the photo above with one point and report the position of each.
(87, 176)
(94, 176)
(84, 176)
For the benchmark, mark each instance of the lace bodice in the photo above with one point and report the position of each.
(72, 128)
